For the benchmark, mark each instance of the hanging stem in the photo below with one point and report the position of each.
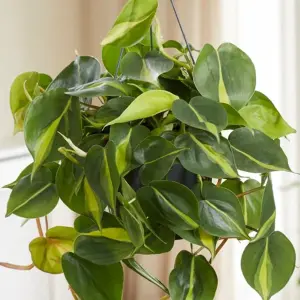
(198, 250)
(17, 267)
(250, 191)
(119, 62)
(39, 227)
(182, 31)
(151, 38)
(219, 182)
(220, 248)
(46, 223)
(73, 293)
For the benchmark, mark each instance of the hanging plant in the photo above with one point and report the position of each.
(148, 152)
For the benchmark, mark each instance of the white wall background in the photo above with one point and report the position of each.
(42, 35)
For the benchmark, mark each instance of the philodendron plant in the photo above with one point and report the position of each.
(155, 149)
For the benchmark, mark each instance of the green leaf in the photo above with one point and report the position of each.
(233, 116)
(168, 202)
(90, 281)
(133, 226)
(126, 139)
(132, 24)
(173, 44)
(101, 250)
(110, 110)
(201, 113)
(41, 130)
(261, 114)
(102, 173)
(251, 203)
(110, 58)
(82, 70)
(24, 172)
(157, 156)
(24, 88)
(103, 87)
(198, 237)
(268, 213)
(46, 253)
(83, 224)
(205, 156)
(146, 105)
(132, 264)
(220, 212)
(225, 75)
(193, 278)
(257, 153)
(268, 264)
(33, 198)
(147, 68)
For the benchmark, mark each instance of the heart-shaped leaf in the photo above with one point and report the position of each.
(146, 105)
(268, 264)
(261, 114)
(90, 281)
(157, 156)
(46, 253)
(126, 139)
(33, 198)
(225, 75)
(24, 88)
(82, 70)
(147, 68)
(201, 113)
(132, 24)
(102, 173)
(257, 153)
(233, 116)
(205, 156)
(169, 202)
(220, 212)
(41, 130)
(192, 278)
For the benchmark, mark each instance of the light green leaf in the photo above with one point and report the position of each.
(82, 70)
(193, 278)
(268, 213)
(126, 139)
(205, 156)
(233, 116)
(132, 264)
(201, 113)
(220, 212)
(225, 75)
(169, 202)
(132, 24)
(146, 105)
(101, 250)
(148, 68)
(41, 130)
(268, 264)
(90, 281)
(261, 114)
(46, 252)
(257, 153)
(157, 156)
(33, 198)
(251, 203)
(102, 173)
(110, 58)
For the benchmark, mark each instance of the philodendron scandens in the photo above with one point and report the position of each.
(146, 151)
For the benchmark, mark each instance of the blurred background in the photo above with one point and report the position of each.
(43, 35)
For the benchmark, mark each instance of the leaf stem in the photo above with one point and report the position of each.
(251, 228)
(250, 191)
(90, 105)
(219, 182)
(220, 247)
(73, 293)
(198, 250)
(16, 267)
(39, 227)
(176, 61)
(46, 223)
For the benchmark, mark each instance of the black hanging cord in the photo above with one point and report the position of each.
(182, 31)
(119, 62)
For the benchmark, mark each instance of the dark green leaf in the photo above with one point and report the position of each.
(268, 264)
(85, 224)
(205, 156)
(225, 75)
(26, 171)
(33, 198)
(169, 202)
(192, 278)
(132, 24)
(93, 282)
(157, 156)
(257, 153)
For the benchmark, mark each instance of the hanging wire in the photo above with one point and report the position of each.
(119, 62)
(182, 31)
(151, 38)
